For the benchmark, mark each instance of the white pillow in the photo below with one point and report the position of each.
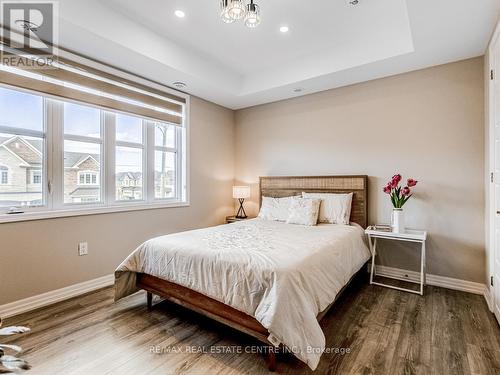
(304, 211)
(335, 208)
(276, 209)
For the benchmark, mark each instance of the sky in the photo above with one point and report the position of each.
(82, 120)
(19, 109)
(128, 128)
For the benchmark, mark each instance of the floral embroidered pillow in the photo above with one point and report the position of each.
(276, 209)
(304, 211)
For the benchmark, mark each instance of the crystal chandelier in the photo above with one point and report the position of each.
(224, 11)
(234, 10)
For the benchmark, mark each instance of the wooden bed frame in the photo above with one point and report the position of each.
(269, 187)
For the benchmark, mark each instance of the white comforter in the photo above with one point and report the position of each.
(284, 275)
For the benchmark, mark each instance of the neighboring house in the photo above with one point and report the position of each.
(164, 184)
(21, 176)
(20, 171)
(81, 177)
(128, 185)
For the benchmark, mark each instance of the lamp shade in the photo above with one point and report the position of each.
(241, 192)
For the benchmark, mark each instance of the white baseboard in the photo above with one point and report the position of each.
(41, 300)
(441, 281)
(488, 298)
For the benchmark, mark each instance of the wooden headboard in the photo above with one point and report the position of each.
(278, 187)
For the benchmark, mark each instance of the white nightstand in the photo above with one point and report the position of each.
(418, 236)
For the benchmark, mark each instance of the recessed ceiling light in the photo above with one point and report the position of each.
(179, 84)
(284, 29)
(179, 13)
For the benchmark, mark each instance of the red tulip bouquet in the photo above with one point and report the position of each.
(399, 195)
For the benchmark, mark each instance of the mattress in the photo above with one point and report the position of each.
(282, 274)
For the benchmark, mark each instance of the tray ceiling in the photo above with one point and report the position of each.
(330, 43)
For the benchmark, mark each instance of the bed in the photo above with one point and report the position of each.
(271, 280)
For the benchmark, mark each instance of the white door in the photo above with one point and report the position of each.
(495, 257)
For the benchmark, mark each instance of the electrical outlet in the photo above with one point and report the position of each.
(83, 248)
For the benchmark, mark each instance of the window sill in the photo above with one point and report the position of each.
(41, 215)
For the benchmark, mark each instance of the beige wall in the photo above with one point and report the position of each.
(426, 124)
(39, 256)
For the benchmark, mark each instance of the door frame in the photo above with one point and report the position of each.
(490, 150)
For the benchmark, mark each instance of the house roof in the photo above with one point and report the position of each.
(23, 149)
(36, 143)
(85, 192)
(71, 159)
(131, 175)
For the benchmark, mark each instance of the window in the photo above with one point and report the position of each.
(99, 159)
(166, 156)
(36, 177)
(87, 178)
(82, 153)
(22, 148)
(129, 158)
(4, 175)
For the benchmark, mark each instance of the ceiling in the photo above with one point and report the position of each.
(330, 44)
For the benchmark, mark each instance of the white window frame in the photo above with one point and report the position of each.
(142, 146)
(80, 138)
(53, 166)
(4, 168)
(177, 149)
(33, 172)
(43, 134)
(84, 173)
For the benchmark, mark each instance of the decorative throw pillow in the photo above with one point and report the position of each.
(276, 209)
(304, 211)
(335, 208)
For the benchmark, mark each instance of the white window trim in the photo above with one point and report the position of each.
(5, 168)
(32, 176)
(85, 173)
(88, 210)
(61, 137)
(54, 169)
(30, 133)
(141, 146)
(177, 149)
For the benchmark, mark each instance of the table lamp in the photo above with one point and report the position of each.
(240, 193)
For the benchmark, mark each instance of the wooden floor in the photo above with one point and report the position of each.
(386, 331)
